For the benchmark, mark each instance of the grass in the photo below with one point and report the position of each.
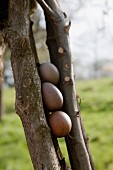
(97, 109)
(97, 112)
(13, 150)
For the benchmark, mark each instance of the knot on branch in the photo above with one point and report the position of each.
(60, 50)
(67, 27)
(9, 34)
(20, 109)
(65, 15)
(68, 80)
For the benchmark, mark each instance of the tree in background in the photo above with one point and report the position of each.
(2, 50)
(16, 28)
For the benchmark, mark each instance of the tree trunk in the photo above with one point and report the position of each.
(29, 104)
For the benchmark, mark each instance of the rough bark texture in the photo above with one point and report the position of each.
(58, 44)
(29, 104)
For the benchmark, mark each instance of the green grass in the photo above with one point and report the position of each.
(9, 100)
(13, 149)
(97, 113)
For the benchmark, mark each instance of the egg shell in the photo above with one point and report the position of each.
(52, 97)
(60, 123)
(49, 73)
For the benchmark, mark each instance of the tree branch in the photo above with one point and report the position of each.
(46, 8)
(64, 165)
(60, 55)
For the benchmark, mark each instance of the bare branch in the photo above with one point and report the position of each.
(46, 8)
(60, 55)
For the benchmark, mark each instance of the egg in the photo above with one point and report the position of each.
(49, 73)
(52, 97)
(60, 123)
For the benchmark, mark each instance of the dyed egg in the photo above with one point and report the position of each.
(52, 97)
(60, 123)
(49, 73)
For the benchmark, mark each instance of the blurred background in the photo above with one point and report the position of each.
(91, 43)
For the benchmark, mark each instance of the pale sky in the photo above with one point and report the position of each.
(85, 39)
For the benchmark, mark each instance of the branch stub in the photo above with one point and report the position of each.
(66, 78)
(61, 50)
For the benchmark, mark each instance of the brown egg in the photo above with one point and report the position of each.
(52, 97)
(49, 73)
(60, 123)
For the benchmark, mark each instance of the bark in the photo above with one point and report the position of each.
(58, 45)
(29, 104)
